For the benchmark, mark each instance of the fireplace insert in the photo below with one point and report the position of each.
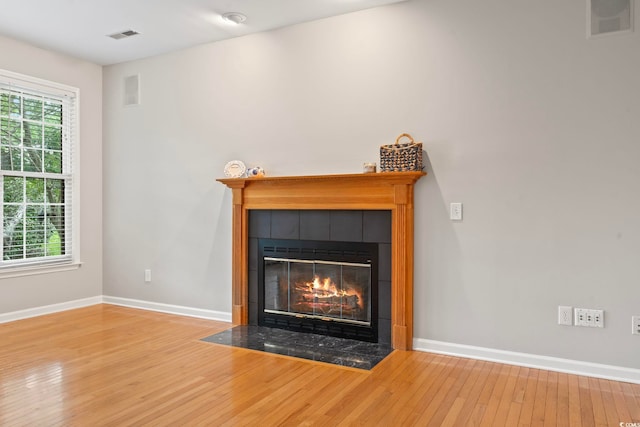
(322, 287)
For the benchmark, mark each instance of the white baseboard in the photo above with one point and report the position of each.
(126, 302)
(568, 366)
(48, 309)
(169, 308)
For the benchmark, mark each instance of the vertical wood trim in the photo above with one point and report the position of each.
(239, 312)
(402, 269)
(408, 270)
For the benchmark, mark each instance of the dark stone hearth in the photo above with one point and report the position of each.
(320, 348)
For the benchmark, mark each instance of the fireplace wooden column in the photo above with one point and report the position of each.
(375, 191)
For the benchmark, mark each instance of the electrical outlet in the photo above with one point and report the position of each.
(564, 315)
(147, 275)
(635, 325)
(580, 317)
(598, 318)
(588, 317)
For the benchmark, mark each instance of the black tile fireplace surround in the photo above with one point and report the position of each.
(358, 226)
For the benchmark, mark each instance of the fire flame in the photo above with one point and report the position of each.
(326, 288)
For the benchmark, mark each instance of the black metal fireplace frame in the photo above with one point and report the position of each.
(355, 252)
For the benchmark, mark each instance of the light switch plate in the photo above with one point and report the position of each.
(455, 213)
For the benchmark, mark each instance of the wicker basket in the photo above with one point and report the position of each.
(401, 157)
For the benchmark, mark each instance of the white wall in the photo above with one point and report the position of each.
(28, 292)
(524, 120)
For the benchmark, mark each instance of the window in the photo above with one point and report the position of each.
(37, 181)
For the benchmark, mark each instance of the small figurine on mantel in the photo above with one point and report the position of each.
(237, 169)
(369, 167)
(255, 172)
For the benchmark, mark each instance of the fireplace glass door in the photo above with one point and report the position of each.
(327, 290)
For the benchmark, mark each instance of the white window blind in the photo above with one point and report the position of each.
(38, 134)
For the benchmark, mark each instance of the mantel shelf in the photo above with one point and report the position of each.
(366, 191)
(346, 191)
(381, 177)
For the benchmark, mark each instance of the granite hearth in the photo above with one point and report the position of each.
(319, 348)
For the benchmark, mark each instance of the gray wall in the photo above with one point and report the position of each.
(524, 120)
(27, 292)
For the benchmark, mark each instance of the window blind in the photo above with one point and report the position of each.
(38, 136)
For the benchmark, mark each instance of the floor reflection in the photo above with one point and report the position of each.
(34, 389)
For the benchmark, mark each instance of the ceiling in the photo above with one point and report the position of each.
(80, 27)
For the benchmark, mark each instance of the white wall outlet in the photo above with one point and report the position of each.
(588, 317)
(598, 318)
(147, 275)
(635, 325)
(564, 315)
(580, 317)
(455, 212)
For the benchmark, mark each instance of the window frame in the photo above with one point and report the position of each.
(70, 97)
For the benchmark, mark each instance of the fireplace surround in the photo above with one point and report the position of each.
(393, 191)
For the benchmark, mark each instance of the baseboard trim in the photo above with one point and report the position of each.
(49, 309)
(568, 366)
(168, 308)
(556, 364)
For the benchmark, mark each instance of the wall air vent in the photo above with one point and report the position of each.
(132, 90)
(123, 34)
(609, 16)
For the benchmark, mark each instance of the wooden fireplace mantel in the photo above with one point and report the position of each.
(373, 191)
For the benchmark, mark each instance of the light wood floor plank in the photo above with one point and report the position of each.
(471, 393)
(562, 412)
(479, 410)
(111, 366)
(609, 403)
(600, 416)
(526, 412)
(515, 406)
(576, 406)
(495, 397)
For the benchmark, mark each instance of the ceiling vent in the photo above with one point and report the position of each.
(123, 34)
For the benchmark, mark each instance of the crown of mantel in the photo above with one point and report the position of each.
(381, 177)
(382, 190)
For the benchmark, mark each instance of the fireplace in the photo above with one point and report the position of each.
(392, 191)
(322, 287)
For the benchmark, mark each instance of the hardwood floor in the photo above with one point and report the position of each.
(113, 366)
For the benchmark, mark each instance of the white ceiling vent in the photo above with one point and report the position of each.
(609, 16)
(123, 34)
